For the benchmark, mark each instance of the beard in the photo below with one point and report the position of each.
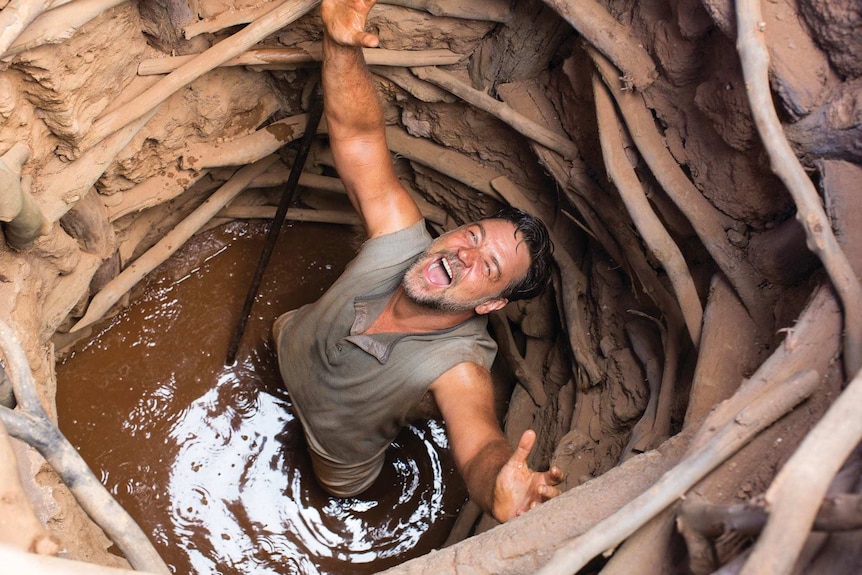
(414, 285)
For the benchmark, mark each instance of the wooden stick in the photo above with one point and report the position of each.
(841, 512)
(610, 38)
(170, 243)
(270, 22)
(792, 510)
(63, 184)
(30, 423)
(526, 376)
(20, 527)
(289, 58)
(424, 91)
(809, 211)
(297, 214)
(487, 10)
(59, 24)
(656, 237)
(16, 16)
(707, 221)
(526, 127)
(18, 562)
(506, 550)
(760, 414)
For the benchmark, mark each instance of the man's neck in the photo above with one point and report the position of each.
(403, 315)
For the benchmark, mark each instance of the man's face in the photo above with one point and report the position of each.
(468, 268)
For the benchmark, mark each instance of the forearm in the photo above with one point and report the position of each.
(350, 101)
(480, 474)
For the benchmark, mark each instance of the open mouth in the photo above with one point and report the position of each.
(439, 272)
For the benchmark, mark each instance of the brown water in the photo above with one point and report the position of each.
(210, 459)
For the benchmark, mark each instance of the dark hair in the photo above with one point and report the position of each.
(535, 235)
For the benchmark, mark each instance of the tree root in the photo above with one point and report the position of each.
(23, 217)
(814, 464)
(505, 551)
(526, 376)
(20, 526)
(649, 226)
(31, 423)
(821, 240)
(170, 243)
(610, 37)
(291, 58)
(243, 40)
(526, 127)
(486, 10)
(345, 217)
(16, 16)
(842, 512)
(764, 410)
(708, 222)
(57, 24)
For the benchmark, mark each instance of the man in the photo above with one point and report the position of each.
(383, 336)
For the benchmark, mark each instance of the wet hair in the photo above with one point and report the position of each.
(535, 235)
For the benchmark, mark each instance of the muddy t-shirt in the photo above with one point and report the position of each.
(353, 391)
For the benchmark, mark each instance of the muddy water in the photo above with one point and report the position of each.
(209, 459)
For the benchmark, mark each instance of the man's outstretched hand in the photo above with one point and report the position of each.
(345, 22)
(518, 488)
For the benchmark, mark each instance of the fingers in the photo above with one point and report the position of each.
(17, 156)
(525, 446)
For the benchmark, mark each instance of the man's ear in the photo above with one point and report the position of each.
(491, 305)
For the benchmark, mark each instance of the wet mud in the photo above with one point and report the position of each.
(209, 458)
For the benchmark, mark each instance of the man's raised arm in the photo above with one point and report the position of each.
(355, 121)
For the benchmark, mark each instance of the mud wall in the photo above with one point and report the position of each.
(127, 133)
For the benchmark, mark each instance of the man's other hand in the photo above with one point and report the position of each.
(518, 488)
(345, 22)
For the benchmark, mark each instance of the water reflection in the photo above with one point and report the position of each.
(210, 459)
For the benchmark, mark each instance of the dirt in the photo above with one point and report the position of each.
(108, 202)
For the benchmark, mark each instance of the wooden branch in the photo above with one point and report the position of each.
(728, 351)
(19, 527)
(419, 89)
(16, 16)
(296, 214)
(485, 10)
(760, 414)
(650, 227)
(269, 139)
(22, 215)
(170, 243)
(154, 191)
(247, 149)
(58, 24)
(18, 562)
(609, 37)
(792, 510)
(506, 551)
(842, 512)
(289, 58)
(527, 378)
(457, 166)
(63, 184)
(270, 22)
(526, 127)
(707, 221)
(30, 423)
(809, 211)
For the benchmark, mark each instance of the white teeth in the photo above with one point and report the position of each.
(447, 268)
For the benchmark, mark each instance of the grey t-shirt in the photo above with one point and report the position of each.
(352, 391)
